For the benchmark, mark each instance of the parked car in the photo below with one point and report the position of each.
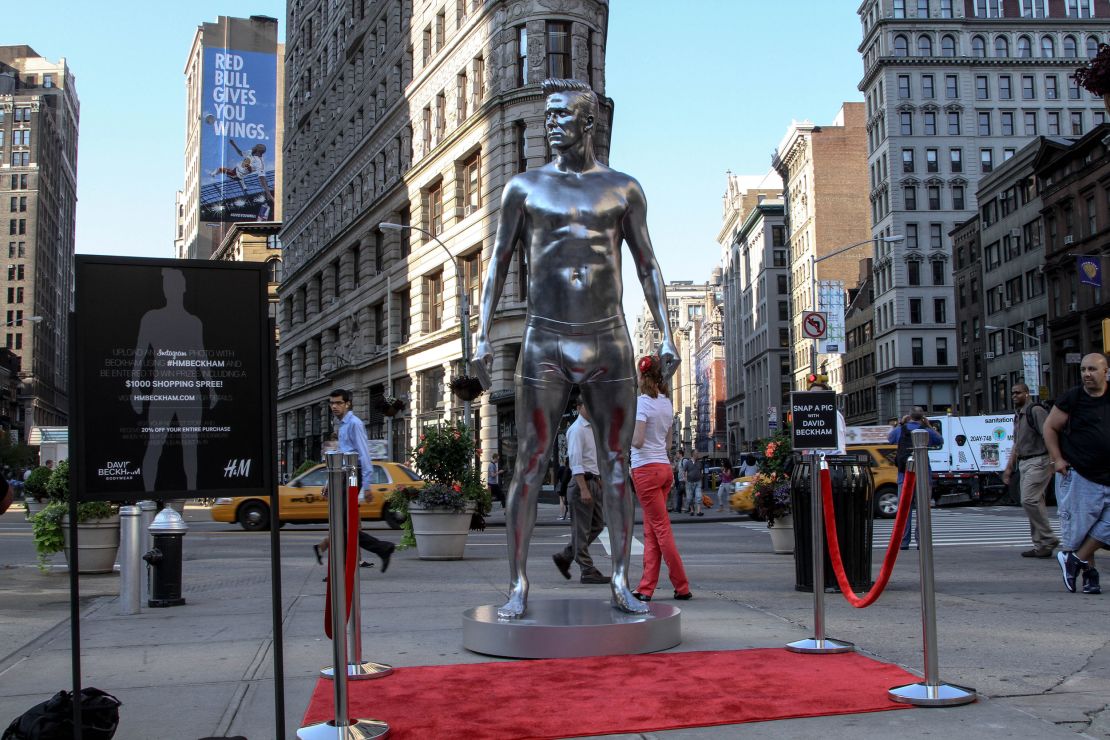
(884, 473)
(302, 501)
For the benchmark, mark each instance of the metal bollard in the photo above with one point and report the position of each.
(818, 643)
(357, 668)
(343, 725)
(168, 530)
(147, 511)
(130, 562)
(931, 692)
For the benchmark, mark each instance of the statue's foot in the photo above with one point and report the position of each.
(514, 607)
(626, 602)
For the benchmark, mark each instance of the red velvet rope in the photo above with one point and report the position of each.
(353, 526)
(891, 549)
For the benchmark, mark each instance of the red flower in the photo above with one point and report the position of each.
(457, 488)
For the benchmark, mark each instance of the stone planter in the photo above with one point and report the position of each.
(33, 506)
(440, 533)
(782, 535)
(97, 544)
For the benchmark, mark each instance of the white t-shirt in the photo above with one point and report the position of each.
(658, 413)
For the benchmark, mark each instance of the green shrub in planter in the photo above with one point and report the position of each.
(46, 526)
(35, 485)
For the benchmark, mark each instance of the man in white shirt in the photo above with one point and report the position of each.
(584, 495)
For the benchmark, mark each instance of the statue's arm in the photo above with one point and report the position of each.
(647, 269)
(509, 228)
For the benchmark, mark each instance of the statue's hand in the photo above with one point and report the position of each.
(482, 363)
(668, 355)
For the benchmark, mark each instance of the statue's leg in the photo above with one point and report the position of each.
(539, 406)
(612, 407)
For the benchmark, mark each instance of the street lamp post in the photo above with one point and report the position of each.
(814, 260)
(1036, 390)
(464, 304)
(28, 319)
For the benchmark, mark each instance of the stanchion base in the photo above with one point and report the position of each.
(360, 671)
(924, 695)
(359, 729)
(827, 645)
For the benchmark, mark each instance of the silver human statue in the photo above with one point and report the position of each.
(571, 216)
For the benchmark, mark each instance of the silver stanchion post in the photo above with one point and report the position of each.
(931, 692)
(357, 668)
(343, 726)
(130, 560)
(818, 643)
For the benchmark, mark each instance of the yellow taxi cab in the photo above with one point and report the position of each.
(301, 501)
(885, 476)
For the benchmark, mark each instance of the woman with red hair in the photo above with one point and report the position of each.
(652, 478)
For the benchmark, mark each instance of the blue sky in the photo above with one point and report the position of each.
(698, 91)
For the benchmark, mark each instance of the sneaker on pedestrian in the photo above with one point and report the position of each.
(1038, 552)
(563, 564)
(1090, 582)
(594, 577)
(1071, 567)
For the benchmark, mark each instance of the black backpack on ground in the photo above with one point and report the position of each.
(905, 448)
(53, 718)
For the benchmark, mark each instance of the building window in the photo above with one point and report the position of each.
(784, 311)
(433, 208)
(1053, 126)
(947, 46)
(978, 46)
(911, 236)
(1030, 123)
(520, 140)
(404, 308)
(927, 88)
(913, 272)
(903, 86)
(460, 95)
(1076, 123)
(471, 266)
(471, 178)
(431, 390)
(906, 124)
(478, 69)
(931, 164)
(1005, 89)
(910, 197)
(558, 49)
(1001, 46)
(1073, 89)
(1025, 47)
(933, 192)
(929, 121)
(379, 325)
(945, 8)
(1048, 47)
(986, 160)
(984, 121)
(1028, 88)
(426, 47)
(433, 301)
(1092, 46)
(953, 123)
(951, 86)
(938, 278)
(917, 353)
(982, 92)
(924, 46)
(934, 236)
(901, 46)
(1006, 121)
(899, 8)
(521, 56)
(441, 28)
(441, 116)
(942, 351)
(1071, 47)
(958, 198)
(907, 160)
(915, 310)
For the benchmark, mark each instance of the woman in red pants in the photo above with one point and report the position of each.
(652, 478)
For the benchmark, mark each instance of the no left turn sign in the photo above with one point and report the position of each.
(814, 324)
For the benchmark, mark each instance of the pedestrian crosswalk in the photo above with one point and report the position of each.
(959, 527)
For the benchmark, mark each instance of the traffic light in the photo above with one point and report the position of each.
(814, 378)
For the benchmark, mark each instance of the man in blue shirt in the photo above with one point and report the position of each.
(352, 438)
(914, 420)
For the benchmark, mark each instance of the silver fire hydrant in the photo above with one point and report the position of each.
(168, 531)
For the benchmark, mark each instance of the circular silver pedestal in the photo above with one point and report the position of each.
(827, 645)
(360, 671)
(571, 628)
(359, 729)
(924, 695)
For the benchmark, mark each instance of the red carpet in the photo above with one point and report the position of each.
(615, 694)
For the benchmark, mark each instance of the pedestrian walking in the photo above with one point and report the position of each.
(493, 479)
(584, 493)
(1029, 457)
(1077, 435)
(352, 438)
(724, 490)
(902, 436)
(651, 473)
(692, 473)
(561, 486)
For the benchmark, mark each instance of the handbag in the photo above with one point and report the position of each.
(705, 500)
(53, 718)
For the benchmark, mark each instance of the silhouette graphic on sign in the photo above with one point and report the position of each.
(171, 375)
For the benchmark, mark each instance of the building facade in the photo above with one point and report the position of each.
(39, 118)
(234, 95)
(824, 175)
(953, 88)
(415, 115)
(858, 363)
(756, 310)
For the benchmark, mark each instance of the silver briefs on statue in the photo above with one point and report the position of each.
(572, 215)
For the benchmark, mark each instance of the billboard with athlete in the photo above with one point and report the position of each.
(239, 99)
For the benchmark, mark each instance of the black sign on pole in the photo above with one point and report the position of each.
(814, 424)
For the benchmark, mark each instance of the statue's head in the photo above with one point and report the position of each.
(570, 111)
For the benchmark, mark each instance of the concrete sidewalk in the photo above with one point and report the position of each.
(206, 669)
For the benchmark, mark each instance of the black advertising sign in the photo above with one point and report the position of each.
(171, 385)
(814, 425)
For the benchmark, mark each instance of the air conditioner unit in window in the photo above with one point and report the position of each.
(1069, 239)
(469, 209)
(988, 355)
(1069, 344)
(1015, 233)
(1072, 306)
(1007, 304)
